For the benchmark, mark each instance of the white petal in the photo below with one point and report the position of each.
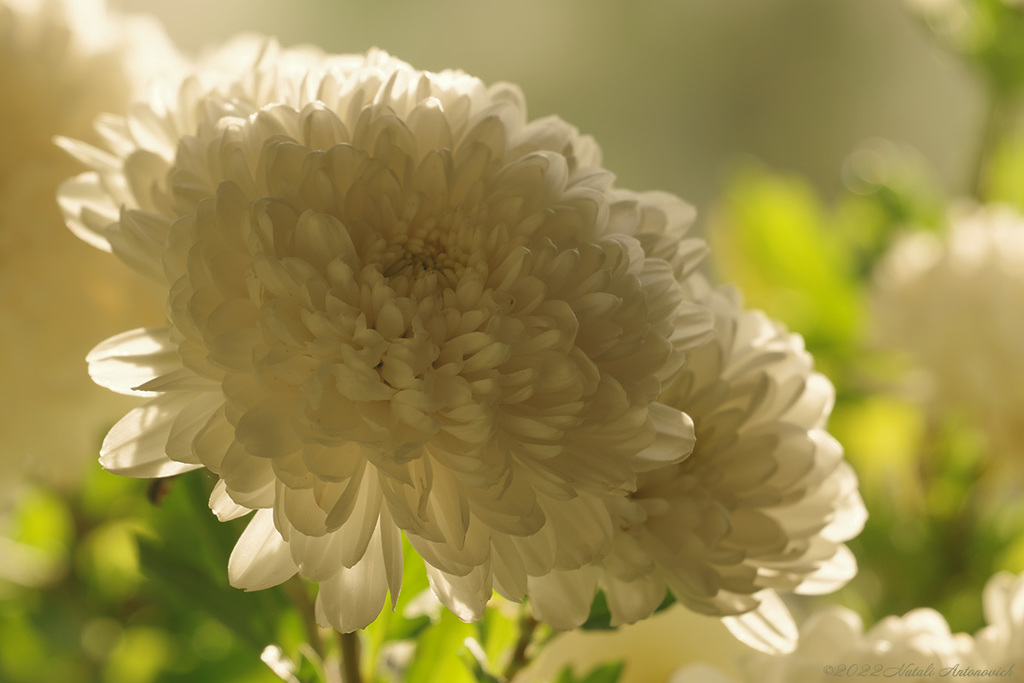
(135, 446)
(631, 601)
(182, 379)
(130, 359)
(88, 209)
(391, 549)
(768, 628)
(850, 513)
(91, 156)
(190, 422)
(832, 575)
(353, 597)
(466, 596)
(562, 599)
(674, 438)
(510, 579)
(260, 558)
(316, 556)
(138, 239)
(222, 505)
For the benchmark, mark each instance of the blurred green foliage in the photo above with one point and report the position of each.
(989, 34)
(137, 592)
(101, 616)
(933, 537)
(606, 673)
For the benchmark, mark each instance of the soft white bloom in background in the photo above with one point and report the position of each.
(917, 646)
(395, 305)
(1001, 643)
(763, 504)
(953, 303)
(61, 64)
(650, 650)
(833, 645)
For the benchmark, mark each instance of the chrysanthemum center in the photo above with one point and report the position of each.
(415, 254)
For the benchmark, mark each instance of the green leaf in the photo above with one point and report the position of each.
(498, 632)
(1005, 170)
(251, 616)
(604, 673)
(475, 659)
(438, 652)
(995, 42)
(600, 618)
(882, 436)
(772, 237)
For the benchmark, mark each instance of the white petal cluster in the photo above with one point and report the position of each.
(764, 502)
(917, 646)
(954, 304)
(396, 305)
(61, 65)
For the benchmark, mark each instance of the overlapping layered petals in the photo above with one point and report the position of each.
(395, 305)
(763, 504)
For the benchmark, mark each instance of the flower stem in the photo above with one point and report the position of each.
(350, 651)
(527, 626)
(297, 592)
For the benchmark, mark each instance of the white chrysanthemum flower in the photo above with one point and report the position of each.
(61, 64)
(395, 305)
(954, 304)
(833, 645)
(763, 504)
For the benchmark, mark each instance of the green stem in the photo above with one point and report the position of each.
(350, 652)
(299, 595)
(997, 120)
(527, 626)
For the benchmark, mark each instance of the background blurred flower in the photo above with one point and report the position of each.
(1001, 642)
(953, 303)
(649, 650)
(61, 64)
(833, 644)
(395, 304)
(918, 645)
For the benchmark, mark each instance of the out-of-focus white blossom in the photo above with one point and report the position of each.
(650, 650)
(396, 305)
(61, 65)
(953, 303)
(1001, 642)
(763, 504)
(917, 646)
